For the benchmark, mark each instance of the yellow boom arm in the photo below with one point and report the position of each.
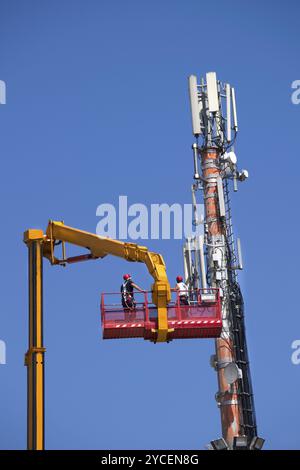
(103, 246)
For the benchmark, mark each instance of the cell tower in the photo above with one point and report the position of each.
(212, 260)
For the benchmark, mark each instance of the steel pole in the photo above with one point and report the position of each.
(227, 396)
(34, 358)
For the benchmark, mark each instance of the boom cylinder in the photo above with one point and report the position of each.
(34, 358)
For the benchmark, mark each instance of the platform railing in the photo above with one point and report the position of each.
(207, 298)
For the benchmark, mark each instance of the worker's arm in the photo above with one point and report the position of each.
(135, 286)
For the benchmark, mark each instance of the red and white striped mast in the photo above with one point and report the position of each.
(210, 259)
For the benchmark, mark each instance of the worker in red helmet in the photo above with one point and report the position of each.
(182, 290)
(127, 292)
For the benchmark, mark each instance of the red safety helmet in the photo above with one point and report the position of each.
(179, 279)
(126, 277)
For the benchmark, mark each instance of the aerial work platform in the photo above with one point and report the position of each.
(201, 318)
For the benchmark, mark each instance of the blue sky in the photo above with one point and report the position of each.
(97, 107)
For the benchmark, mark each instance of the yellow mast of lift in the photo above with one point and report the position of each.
(34, 358)
(43, 245)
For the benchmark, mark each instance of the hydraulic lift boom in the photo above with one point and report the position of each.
(43, 245)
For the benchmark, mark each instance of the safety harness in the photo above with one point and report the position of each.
(127, 296)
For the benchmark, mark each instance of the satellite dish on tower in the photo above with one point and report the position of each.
(231, 373)
(230, 157)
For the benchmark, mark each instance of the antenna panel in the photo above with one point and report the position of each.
(212, 92)
(193, 91)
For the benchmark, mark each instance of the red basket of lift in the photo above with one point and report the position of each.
(200, 318)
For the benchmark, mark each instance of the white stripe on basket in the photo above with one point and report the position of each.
(187, 322)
